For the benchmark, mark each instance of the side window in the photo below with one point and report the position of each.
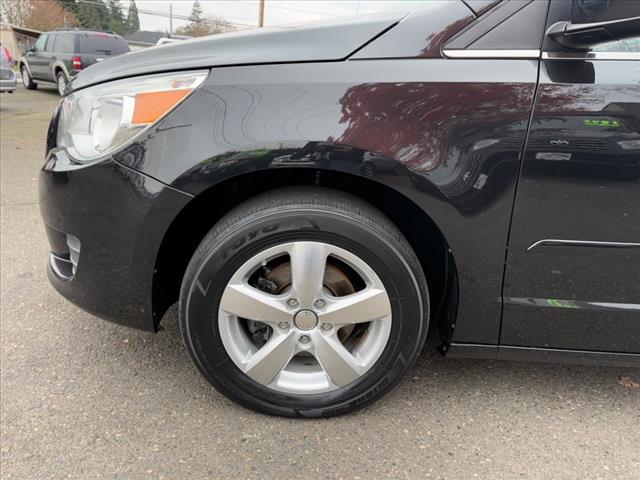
(628, 45)
(40, 43)
(50, 43)
(65, 43)
(591, 11)
(594, 11)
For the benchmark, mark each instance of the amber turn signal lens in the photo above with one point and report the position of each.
(150, 106)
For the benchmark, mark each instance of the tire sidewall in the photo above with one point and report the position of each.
(25, 75)
(220, 256)
(30, 84)
(61, 74)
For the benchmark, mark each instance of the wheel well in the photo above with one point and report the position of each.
(57, 69)
(188, 229)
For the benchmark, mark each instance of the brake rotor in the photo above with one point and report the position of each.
(336, 282)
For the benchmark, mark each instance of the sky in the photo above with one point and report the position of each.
(245, 12)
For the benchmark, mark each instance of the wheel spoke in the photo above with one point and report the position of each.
(304, 318)
(247, 302)
(308, 263)
(365, 306)
(267, 363)
(337, 362)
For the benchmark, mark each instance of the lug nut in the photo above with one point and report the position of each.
(283, 325)
(325, 326)
(319, 303)
(292, 302)
(305, 339)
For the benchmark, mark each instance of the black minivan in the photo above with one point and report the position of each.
(58, 56)
(316, 199)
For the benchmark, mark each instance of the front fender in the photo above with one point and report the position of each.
(23, 62)
(447, 140)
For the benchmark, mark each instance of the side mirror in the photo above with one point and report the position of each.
(583, 36)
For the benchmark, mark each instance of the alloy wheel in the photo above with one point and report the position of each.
(305, 317)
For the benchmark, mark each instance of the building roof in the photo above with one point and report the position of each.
(23, 30)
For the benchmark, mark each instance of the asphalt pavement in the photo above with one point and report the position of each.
(81, 398)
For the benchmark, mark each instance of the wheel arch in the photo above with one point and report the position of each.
(426, 238)
(59, 66)
(23, 63)
(56, 69)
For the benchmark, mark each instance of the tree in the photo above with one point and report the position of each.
(48, 15)
(133, 21)
(196, 13)
(199, 25)
(116, 21)
(94, 16)
(206, 26)
(40, 15)
(16, 11)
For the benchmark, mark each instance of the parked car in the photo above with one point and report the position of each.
(469, 167)
(172, 39)
(58, 56)
(7, 75)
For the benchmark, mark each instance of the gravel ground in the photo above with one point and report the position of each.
(82, 398)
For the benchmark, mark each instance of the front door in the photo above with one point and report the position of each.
(573, 265)
(38, 58)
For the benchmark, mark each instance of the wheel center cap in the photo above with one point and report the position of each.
(305, 319)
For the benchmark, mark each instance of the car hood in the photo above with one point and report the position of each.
(323, 41)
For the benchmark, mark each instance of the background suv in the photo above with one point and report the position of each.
(58, 56)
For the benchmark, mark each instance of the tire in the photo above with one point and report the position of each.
(367, 255)
(61, 82)
(27, 81)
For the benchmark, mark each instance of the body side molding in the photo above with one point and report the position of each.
(553, 242)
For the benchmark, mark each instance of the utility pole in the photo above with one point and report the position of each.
(261, 14)
(170, 18)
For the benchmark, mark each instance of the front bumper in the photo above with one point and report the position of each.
(105, 223)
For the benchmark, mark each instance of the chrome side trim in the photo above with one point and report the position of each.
(572, 304)
(553, 242)
(591, 55)
(530, 54)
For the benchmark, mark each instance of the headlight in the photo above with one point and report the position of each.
(98, 120)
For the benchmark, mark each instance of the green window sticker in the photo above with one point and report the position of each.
(595, 122)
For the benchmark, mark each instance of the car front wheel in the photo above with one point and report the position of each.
(304, 302)
(27, 81)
